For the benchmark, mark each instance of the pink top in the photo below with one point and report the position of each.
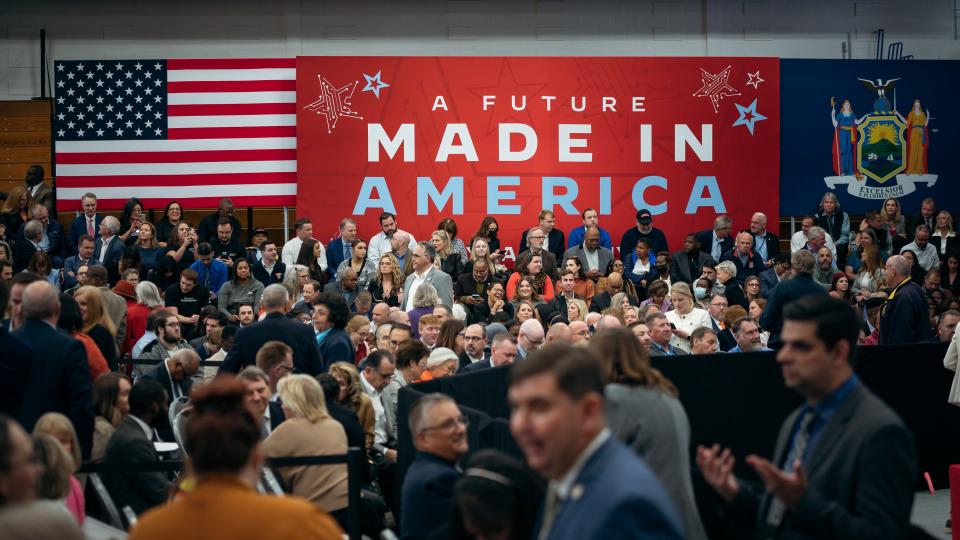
(75, 502)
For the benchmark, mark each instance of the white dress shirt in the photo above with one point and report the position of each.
(380, 244)
(418, 279)
(380, 426)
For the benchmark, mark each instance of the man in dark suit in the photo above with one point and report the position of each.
(346, 288)
(716, 241)
(553, 237)
(844, 465)
(53, 237)
(27, 243)
(86, 223)
(275, 326)
(747, 261)
(905, 316)
(598, 488)
(503, 353)
(765, 243)
(268, 270)
(175, 373)
(132, 443)
(38, 189)
(340, 248)
(440, 436)
(601, 301)
(686, 265)
(594, 259)
(800, 285)
(474, 342)
(84, 257)
(257, 385)
(109, 248)
(771, 277)
(16, 363)
(535, 237)
(60, 379)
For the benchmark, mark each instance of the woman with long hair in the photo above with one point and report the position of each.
(840, 288)
(525, 310)
(751, 288)
(310, 253)
(577, 310)
(387, 281)
(944, 238)
(111, 403)
(97, 323)
(643, 411)
(131, 218)
(584, 287)
(449, 226)
(366, 270)
(225, 456)
(71, 321)
(59, 428)
(172, 215)
(150, 249)
(488, 230)
(182, 244)
(16, 210)
(447, 260)
(530, 266)
(56, 482)
(755, 312)
(526, 291)
(309, 430)
(892, 218)
(451, 335)
(869, 280)
(480, 253)
(950, 273)
(618, 305)
(41, 265)
(241, 290)
(296, 277)
(354, 398)
(5, 253)
(130, 260)
(917, 273)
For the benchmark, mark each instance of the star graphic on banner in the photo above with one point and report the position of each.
(754, 116)
(374, 84)
(334, 102)
(755, 79)
(716, 87)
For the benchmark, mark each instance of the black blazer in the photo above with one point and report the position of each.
(705, 238)
(159, 373)
(600, 302)
(23, 251)
(768, 280)
(477, 366)
(138, 490)
(735, 296)
(16, 364)
(60, 383)
(111, 259)
(680, 269)
(275, 326)
(277, 415)
(725, 339)
(772, 242)
(787, 291)
(556, 242)
(427, 495)
(953, 245)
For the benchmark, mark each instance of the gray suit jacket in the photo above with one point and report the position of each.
(604, 257)
(440, 281)
(861, 474)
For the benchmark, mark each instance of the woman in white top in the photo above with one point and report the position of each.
(684, 316)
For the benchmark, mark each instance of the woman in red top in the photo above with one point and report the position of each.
(142, 300)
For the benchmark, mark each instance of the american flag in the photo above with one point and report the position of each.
(186, 130)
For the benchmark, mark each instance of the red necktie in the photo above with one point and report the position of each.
(90, 226)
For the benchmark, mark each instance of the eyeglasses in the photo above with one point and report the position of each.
(472, 338)
(532, 341)
(286, 368)
(172, 324)
(449, 425)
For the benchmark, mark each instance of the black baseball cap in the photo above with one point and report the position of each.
(644, 217)
(260, 230)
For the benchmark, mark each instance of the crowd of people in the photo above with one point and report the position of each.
(120, 333)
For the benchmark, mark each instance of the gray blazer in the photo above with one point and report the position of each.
(861, 475)
(604, 257)
(440, 281)
(656, 427)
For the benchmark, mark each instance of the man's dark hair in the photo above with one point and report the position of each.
(410, 353)
(85, 238)
(25, 278)
(157, 319)
(710, 265)
(144, 395)
(834, 318)
(378, 357)
(225, 221)
(781, 257)
(97, 275)
(735, 327)
(386, 215)
(301, 222)
(400, 326)
(229, 332)
(339, 311)
(204, 249)
(576, 369)
(221, 318)
(265, 244)
(700, 332)
(330, 386)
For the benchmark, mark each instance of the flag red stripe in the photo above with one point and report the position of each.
(231, 132)
(192, 156)
(187, 202)
(185, 180)
(231, 86)
(231, 109)
(232, 63)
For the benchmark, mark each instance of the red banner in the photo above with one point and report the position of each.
(428, 138)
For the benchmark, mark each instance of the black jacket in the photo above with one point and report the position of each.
(556, 243)
(705, 238)
(276, 276)
(16, 364)
(787, 291)
(138, 490)
(275, 326)
(60, 382)
(905, 318)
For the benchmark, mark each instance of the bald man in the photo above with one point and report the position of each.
(559, 333)
(530, 338)
(765, 243)
(579, 333)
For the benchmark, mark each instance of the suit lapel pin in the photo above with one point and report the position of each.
(576, 492)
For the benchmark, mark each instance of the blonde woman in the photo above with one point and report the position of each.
(61, 468)
(684, 316)
(387, 282)
(309, 430)
(892, 218)
(97, 322)
(149, 248)
(576, 310)
(354, 398)
(447, 260)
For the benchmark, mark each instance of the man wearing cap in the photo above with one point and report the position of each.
(644, 229)
(259, 237)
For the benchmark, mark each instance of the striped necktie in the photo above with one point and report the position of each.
(800, 440)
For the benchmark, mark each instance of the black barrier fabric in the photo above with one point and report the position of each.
(740, 401)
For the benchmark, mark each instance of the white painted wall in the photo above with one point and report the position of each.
(88, 29)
